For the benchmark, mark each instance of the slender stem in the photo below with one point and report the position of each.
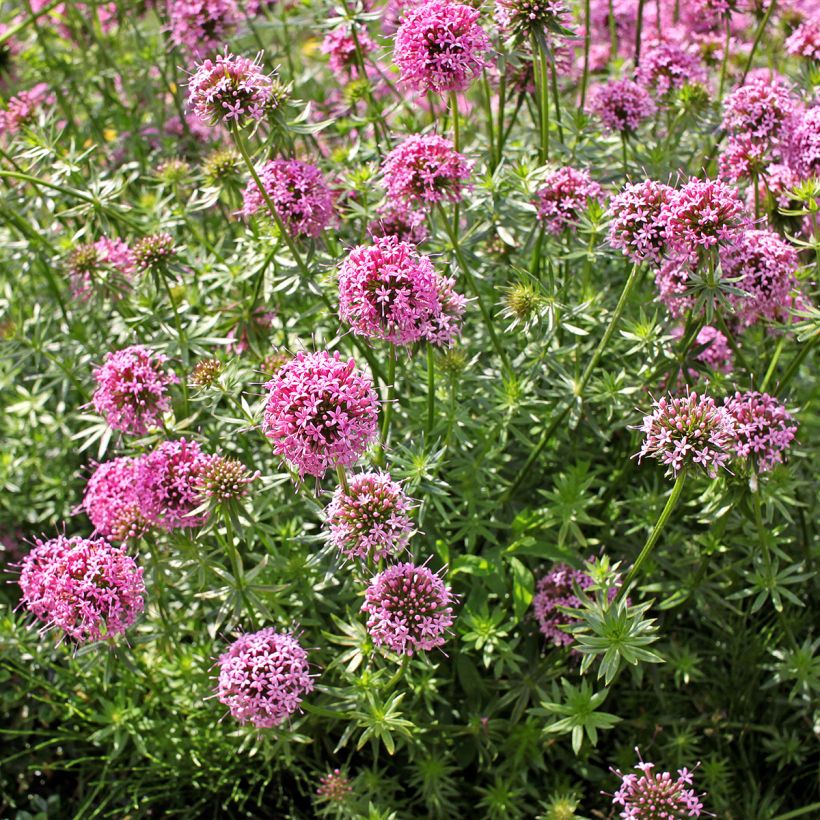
(795, 363)
(340, 472)
(457, 146)
(542, 98)
(587, 40)
(791, 815)
(756, 185)
(181, 336)
(431, 388)
(773, 364)
(502, 102)
(656, 532)
(725, 57)
(613, 32)
(388, 405)
(758, 36)
(555, 96)
(624, 154)
(638, 32)
(488, 108)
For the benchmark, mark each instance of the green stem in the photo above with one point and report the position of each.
(488, 108)
(773, 364)
(542, 98)
(790, 815)
(431, 388)
(457, 146)
(758, 36)
(181, 337)
(638, 31)
(624, 154)
(340, 472)
(587, 40)
(388, 405)
(656, 532)
(555, 96)
(795, 363)
(725, 62)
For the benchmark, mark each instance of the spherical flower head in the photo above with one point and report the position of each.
(564, 196)
(153, 253)
(443, 326)
(263, 677)
(742, 157)
(647, 795)
(523, 18)
(298, 190)
(224, 479)
(110, 500)
(340, 46)
(804, 41)
(321, 412)
(716, 352)
(274, 362)
(83, 586)
(387, 291)
(401, 221)
(701, 214)
(230, 89)
(222, 165)
(636, 228)
(667, 66)
(168, 484)
(23, 108)
(132, 389)
(202, 25)
(622, 105)
(206, 372)
(424, 170)
(672, 281)
(764, 429)
(440, 47)
(334, 787)
(762, 109)
(764, 266)
(105, 267)
(804, 144)
(555, 590)
(683, 431)
(409, 609)
(369, 519)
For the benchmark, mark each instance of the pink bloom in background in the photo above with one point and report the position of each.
(742, 157)
(424, 170)
(765, 267)
(105, 267)
(777, 180)
(523, 17)
(804, 144)
(334, 787)
(387, 291)
(110, 500)
(224, 479)
(369, 520)
(400, 221)
(563, 197)
(340, 46)
(636, 228)
(298, 190)
(440, 47)
(153, 253)
(444, 325)
(321, 412)
(83, 586)
(701, 214)
(686, 431)
(666, 66)
(554, 590)
(169, 484)
(132, 389)
(672, 280)
(22, 109)
(202, 25)
(716, 353)
(650, 795)
(761, 109)
(263, 677)
(804, 41)
(622, 105)
(58, 15)
(230, 89)
(409, 609)
(764, 429)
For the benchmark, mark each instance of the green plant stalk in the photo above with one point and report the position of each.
(457, 146)
(340, 472)
(542, 98)
(758, 36)
(181, 337)
(502, 102)
(638, 31)
(795, 364)
(488, 109)
(388, 405)
(624, 154)
(656, 532)
(587, 39)
(236, 567)
(431, 388)
(556, 98)
(613, 33)
(791, 815)
(724, 64)
(772, 364)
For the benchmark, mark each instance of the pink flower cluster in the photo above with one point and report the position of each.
(650, 795)
(202, 25)
(804, 41)
(85, 587)
(110, 500)
(563, 197)
(716, 352)
(321, 412)
(340, 46)
(440, 47)
(263, 677)
(230, 89)
(334, 787)
(389, 291)
(667, 66)
(106, 266)
(425, 169)
(299, 192)
(555, 590)
(622, 105)
(132, 389)
(522, 17)
(223, 479)
(369, 519)
(636, 228)
(22, 109)
(804, 144)
(764, 429)
(688, 430)
(444, 325)
(409, 609)
(762, 109)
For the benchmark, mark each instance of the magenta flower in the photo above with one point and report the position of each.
(340, 46)
(334, 787)
(761, 109)
(563, 197)
(636, 228)
(440, 47)
(648, 795)
(321, 412)
(202, 25)
(302, 198)
(401, 221)
(105, 267)
(622, 105)
(110, 500)
(409, 609)
(83, 586)
(764, 266)
(168, 484)
(22, 109)
(716, 353)
(525, 17)
(369, 520)
(132, 389)
(672, 280)
(688, 430)
(804, 144)
(263, 677)
(703, 213)
(667, 66)
(804, 41)
(387, 291)
(424, 170)
(554, 590)
(444, 325)
(764, 429)
(742, 157)
(231, 90)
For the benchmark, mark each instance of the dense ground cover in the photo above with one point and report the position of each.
(408, 409)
